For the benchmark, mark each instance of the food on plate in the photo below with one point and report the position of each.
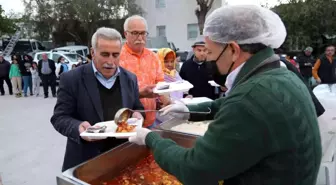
(96, 129)
(163, 87)
(125, 127)
(146, 172)
(196, 128)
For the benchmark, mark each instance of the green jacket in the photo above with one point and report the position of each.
(265, 132)
(14, 71)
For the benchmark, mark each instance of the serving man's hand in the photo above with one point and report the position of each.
(82, 127)
(140, 137)
(173, 110)
(147, 92)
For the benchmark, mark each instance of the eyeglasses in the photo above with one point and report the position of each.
(138, 33)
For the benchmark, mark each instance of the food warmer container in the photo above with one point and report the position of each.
(108, 166)
(168, 125)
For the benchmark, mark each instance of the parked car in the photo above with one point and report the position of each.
(183, 55)
(70, 58)
(81, 50)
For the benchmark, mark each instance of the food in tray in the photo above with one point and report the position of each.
(146, 172)
(125, 127)
(196, 128)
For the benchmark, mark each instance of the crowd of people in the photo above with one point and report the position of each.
(23, 75)
(319, 70)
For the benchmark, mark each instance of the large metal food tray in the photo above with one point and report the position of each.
(168, 125)
(107, 166)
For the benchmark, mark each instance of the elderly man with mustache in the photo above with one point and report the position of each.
(93, 93)
(143, 63)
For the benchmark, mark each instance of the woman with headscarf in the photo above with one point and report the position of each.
(167, 58)
(265, 131)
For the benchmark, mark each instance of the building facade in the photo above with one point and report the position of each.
(174, 19)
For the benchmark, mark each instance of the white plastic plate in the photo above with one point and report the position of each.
(213, 83)
(190, 101)
(179, 86)
(111, 130)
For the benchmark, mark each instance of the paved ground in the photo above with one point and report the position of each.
(31, 150)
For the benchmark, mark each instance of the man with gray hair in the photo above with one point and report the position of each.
(306, 63)
(93, 93)
(143, 63)
(265, 130)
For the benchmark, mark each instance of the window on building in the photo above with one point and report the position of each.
(160, 3)
(192, 31)
(160, 31)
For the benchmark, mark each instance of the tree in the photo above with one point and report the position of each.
(203, 7)
(7, 24)
(76, 20)
(307, 21)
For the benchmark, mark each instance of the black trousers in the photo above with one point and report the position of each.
(49, 80)
(9, 84)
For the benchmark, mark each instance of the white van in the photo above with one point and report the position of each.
(81, 50)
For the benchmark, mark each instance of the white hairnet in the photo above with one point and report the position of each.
(245, 24)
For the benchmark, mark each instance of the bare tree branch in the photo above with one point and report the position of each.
(209, 3)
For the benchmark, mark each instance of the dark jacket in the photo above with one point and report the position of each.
(4, 68)
(305, 64)
(78, 100)
(25, 66)
(318, 106)
(326, 70)
(199, 76)
(51, 65)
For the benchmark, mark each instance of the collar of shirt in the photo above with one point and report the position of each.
(282, 64)
(232, 77)
(129, 50)
(197, 61)
(108, 83)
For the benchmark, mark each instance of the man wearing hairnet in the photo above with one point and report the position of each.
(265, 130)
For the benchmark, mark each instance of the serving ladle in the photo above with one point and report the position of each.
(124, 114)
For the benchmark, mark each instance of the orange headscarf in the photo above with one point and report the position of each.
(165, 53)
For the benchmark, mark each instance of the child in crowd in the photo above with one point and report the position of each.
(73, 66)
(16, 77)
(36, 79)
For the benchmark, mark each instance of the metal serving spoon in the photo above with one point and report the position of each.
(124, 114)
